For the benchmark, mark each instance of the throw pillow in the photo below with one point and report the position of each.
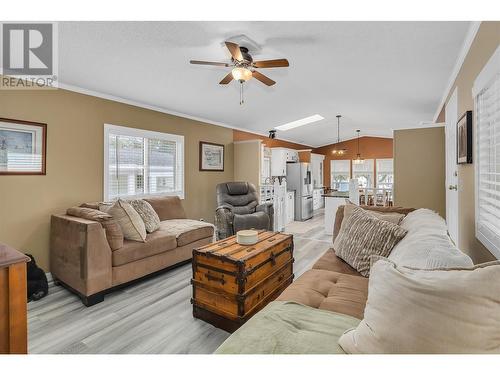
(129, 220)
(113, 231)
(391, 217)
(147, 213)
(362, 235)
(429, 311)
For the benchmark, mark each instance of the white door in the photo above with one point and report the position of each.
(451, 113)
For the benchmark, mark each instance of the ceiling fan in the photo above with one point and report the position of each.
(244, 68)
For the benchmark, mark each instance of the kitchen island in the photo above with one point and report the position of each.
(333, 200)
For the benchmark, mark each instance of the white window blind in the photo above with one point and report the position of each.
(487, 107)
(141, 163)
(364, 173)
(385, 173)
(340, 171)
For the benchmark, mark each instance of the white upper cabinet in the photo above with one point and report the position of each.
(317, 169)
(279, 157)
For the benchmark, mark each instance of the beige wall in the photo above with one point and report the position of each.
(75, 161)
(419, 169)
(482, 48)
(247, 161)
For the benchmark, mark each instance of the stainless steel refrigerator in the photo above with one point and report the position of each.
(298, 178)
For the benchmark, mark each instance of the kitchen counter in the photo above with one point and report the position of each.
(337, 194)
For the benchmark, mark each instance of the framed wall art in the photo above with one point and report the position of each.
(464, 138)
(23, 147)
(211, 157)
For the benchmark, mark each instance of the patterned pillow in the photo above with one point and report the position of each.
(147, 213)
(362, 235)
(129, 220)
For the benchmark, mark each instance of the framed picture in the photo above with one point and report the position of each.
(23, 147)
(464, 138)
(211, 157)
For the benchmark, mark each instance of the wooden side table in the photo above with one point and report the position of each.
(13, 301)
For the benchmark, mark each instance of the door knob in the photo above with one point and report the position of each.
(453, 187)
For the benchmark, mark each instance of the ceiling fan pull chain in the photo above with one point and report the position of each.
(241, 93)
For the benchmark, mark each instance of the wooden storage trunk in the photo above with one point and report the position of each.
(231, 282)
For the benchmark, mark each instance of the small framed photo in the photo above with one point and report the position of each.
(23, 147)
(464, 138)
(211, 157)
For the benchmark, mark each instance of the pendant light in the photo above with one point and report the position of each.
(336, 150)
(358, 159)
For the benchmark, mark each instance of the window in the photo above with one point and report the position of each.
(364, 173)
(385, 173)
(141, 162)
(340, 174)
(486, 91)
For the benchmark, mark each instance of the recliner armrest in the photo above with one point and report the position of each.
(268, 208)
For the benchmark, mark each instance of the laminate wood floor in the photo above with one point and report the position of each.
(153, 316)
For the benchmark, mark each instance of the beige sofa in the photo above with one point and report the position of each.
(313, 312)
(82, 260)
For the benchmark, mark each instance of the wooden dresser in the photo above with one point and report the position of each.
(232, 282)
(13, 305)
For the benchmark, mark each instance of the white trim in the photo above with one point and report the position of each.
(248, 141)
(488, 73)
(135, 132)
(469, 38)
(355, 137)
(167, 111)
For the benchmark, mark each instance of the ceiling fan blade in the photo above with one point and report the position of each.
(226, 79)
(278, 63)
(264, 79)
(198, 62)
(234, 49)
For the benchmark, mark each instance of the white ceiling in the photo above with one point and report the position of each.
(379, 75)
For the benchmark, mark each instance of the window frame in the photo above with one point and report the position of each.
(371, 172)
(489, 72)
(377, 174)
(332, 172)
(142, 133)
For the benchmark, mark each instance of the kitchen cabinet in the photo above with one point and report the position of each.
(317, 162)
(318, 200)
(279, 157)
(290, 207)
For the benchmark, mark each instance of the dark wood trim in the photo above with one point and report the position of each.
(223, 157)
(99, 297)
(44, 147)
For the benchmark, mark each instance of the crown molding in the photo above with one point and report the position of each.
(355, 137)
(167, 111)
(469, 38)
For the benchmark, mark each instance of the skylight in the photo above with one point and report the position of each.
(301, 122)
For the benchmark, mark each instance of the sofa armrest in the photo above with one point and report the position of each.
(80, 255)
(224, 222)
(269, 210)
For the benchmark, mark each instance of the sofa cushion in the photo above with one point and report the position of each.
(446, 311)
(187, 231)
(327, 290)
(156, 243)
(147, 214)
(427, 244)
(256, 220)
(362, 235)
(114, 233)
(331, 262)
(167, 207)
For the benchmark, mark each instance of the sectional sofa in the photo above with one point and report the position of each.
(324, 302)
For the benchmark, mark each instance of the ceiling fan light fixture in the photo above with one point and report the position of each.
(241, 74)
